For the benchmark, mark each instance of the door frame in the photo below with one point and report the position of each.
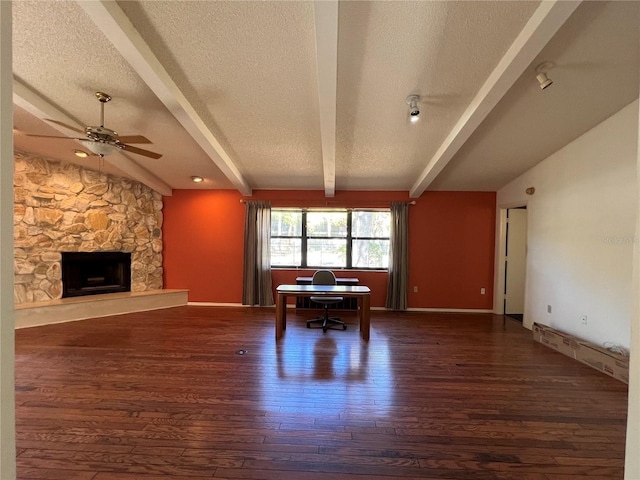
(500, 255)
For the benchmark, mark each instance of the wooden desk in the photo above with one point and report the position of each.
(363, 294)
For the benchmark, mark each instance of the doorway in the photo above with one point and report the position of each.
(515, 262)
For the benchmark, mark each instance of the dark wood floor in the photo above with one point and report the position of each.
(163, 395)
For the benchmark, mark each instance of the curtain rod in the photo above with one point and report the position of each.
(296, 203)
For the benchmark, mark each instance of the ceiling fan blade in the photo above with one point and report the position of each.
(51, 136)
(140, 151)
(133, 139)
(62, 124)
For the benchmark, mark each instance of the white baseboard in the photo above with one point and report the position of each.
(451, 310)
(222, 304)
(383, 309)
(92, 306)
(215, 304)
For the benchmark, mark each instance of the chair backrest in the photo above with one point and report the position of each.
(324, 277)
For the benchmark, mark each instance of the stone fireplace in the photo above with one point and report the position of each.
(60, 207)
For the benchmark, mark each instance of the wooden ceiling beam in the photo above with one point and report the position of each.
(326, 24)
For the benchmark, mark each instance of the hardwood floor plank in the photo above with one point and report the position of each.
(139, 476)
(163, 394)
(49, 474)
(251, 474)
(369, 470)
(130, 463)
(74, 447)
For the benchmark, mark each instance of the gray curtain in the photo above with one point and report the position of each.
(398, 257)
(256, 288)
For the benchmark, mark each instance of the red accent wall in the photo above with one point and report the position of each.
(203, 235)
(451, 244)
(451, 250)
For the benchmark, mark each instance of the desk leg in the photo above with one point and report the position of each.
(281, 315)
(365, 316)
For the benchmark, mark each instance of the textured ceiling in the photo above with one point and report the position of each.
(256, 95)
(442, 51)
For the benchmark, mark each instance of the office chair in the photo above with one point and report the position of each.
(325, 277)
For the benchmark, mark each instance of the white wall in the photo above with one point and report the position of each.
(632, 457)
(581, 232)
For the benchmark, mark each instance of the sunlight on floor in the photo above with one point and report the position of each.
(325, 372)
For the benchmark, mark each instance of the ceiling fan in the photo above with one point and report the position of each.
(103, 141)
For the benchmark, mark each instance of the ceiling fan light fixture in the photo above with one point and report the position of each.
(103, 141)
(100, 148)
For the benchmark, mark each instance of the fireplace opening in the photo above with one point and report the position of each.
(93, 273)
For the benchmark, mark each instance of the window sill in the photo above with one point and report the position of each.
(374, 270)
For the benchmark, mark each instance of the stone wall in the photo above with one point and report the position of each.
(60, 207)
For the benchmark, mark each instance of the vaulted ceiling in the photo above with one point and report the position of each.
(311, 95)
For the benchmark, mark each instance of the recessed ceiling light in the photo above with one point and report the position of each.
(197, 179)
(80, 153)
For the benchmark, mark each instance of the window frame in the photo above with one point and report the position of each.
(349, 238)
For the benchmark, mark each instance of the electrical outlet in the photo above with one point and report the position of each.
(584, 319)
(415, 289)
(482, 291)
(548, 308)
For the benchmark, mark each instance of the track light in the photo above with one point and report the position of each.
(414, 111)
(542, 77)
(544, 80)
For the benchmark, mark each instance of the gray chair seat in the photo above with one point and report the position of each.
(326, 277)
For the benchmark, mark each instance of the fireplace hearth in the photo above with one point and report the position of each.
(93, 273)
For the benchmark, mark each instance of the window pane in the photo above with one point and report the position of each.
(326, 253)
(326, 224)
(286, 223)
(370, 224)
(286, 251)
(370, 253)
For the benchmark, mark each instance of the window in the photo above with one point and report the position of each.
(370, 235)
(330, 238)
(326, 238)
(286, 237)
